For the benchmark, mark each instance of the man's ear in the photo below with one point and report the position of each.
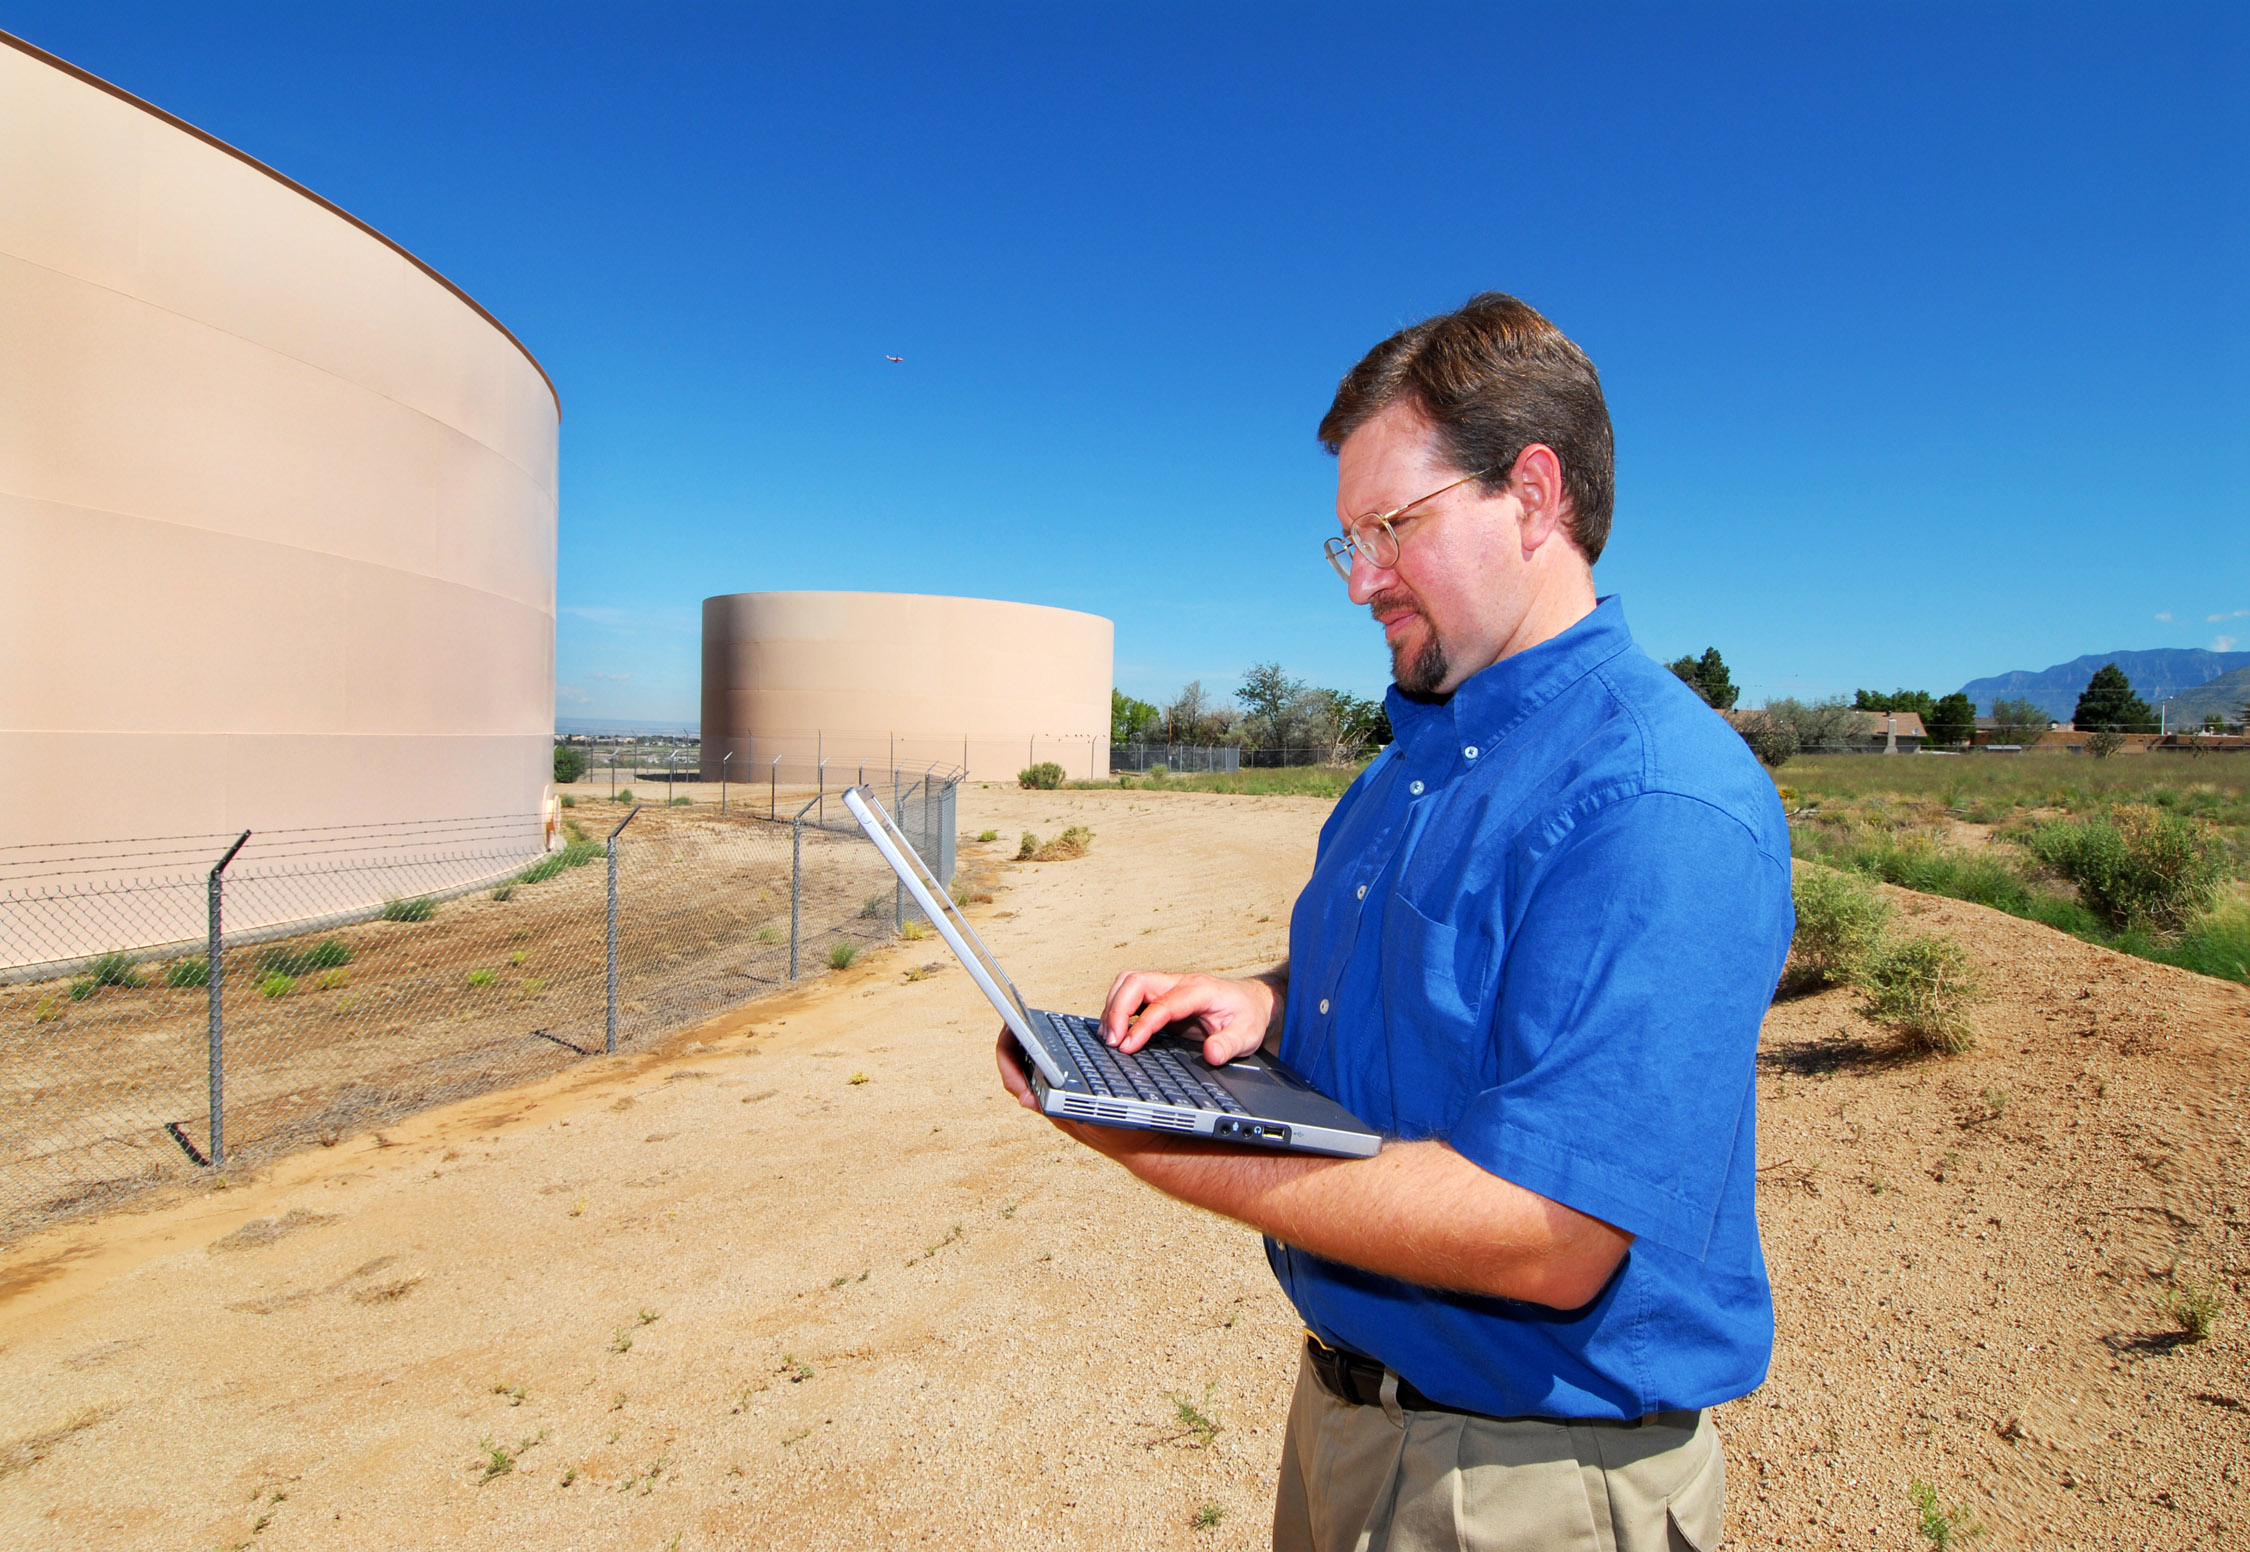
(1537, 484)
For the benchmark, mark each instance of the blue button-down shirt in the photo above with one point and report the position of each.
(1544, 926)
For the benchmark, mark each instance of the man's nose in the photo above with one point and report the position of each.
(1367, 578)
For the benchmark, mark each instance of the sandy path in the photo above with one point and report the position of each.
(870, 1327)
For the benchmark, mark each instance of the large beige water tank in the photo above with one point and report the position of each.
(912, 679)
(277, 501)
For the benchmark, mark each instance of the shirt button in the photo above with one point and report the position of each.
(1363, 891)
(1471, 751)
(1415, 788)
(1324, 1004)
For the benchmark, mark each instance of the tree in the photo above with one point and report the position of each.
(2109, 705)
(1707, 676)
(570, 764)
(1770, 738)
(1129, 719)
(1920, 702)
(1272, 704)
(1193, 719)
(1825, 724)
(2018, 722)
(1951, 720)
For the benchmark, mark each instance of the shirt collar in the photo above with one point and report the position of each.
(1491, 702)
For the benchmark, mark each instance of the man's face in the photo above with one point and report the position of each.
(1450, 602)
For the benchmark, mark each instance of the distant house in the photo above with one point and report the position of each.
(1886, 732)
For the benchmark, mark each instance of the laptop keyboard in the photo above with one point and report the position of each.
(1151, 1074)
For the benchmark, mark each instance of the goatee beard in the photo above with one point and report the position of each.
(1424, 672)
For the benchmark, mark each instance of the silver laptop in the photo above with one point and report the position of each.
(1166, 1086)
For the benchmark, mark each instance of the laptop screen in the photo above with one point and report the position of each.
(937, 904)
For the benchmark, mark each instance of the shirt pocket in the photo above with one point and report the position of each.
(1434, 1017)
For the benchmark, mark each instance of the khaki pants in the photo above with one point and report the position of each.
(1376, 1479)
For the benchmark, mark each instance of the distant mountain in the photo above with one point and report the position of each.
(2223, 696)
(2156, 675)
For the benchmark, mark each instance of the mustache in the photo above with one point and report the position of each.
(1394, 598)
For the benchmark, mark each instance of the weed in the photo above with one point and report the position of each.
(575, 855)
(928, 1251)
(577, 1207)
(1007, 1209)
(1941, 1527)
(838, 1282)
(794, 1438)
(1997, 1099)
(1876, 1184)
(332, 980)
(516, 958)
(1922, 986)
(794, 1371)
(1840, 918)
(573, 828)
(113, 969)
(913, 931)
(84, 987)
(568, 801)
(419, 909)
(345, 1004)
(1196, 1420)
(47, 1011)
(514, 1393)
(988, 835)
(619, 1342)
(625, 796)
(841, 955)
(531, 986)
(195, 970)
(2196, 1307)
(499, 1459)
(570, 1473)
(481, 977)
(649, 1317)
(856, 1079)
(504, 892)
(877, 905)
(1029, 847)
(1209, 1513)
(1045, 776)
(277, 985)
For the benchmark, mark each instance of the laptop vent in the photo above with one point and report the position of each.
(1117, 1112)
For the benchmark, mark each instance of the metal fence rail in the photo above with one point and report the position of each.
(298, 986)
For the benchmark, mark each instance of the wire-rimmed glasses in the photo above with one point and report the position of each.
(1373, 536)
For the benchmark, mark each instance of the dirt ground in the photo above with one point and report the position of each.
(750, 1289)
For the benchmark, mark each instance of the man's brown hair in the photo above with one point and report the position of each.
(1492, 379)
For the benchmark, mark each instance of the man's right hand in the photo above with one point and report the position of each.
(1234, 1016)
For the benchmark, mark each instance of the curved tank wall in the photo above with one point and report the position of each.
(277, 501)
(873, 678)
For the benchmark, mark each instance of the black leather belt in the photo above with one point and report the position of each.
(1357, 1380)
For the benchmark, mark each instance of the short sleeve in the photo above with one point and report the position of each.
(1627, 1017)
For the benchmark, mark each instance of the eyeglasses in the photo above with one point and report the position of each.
(1373, 536)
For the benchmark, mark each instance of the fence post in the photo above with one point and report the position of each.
(898, 885)
(773, 790)
(723, 779)
(823, 791)
(796, 889)
(609, 1041)
(215, 961)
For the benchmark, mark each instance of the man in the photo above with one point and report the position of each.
(1538, 940)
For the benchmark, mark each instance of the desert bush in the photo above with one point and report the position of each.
(988, 835)
(2138, 865)
(481, 977)
(275, 984)
(1073, 842)
(1028, 848)
(195, 970)
(625, 796)
(1921, 985)
(841, 955)
(570, 764)
(2196, 1307)
(2104, 742)
(1840, 918)
(568, 801)
(1046, 776)
(420, 909)
(113, 969)
(912, 931)
(324, 955)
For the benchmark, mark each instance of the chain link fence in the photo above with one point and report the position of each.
(172, 1003)
(1177, 759)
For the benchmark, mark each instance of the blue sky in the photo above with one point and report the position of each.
(1923, 327)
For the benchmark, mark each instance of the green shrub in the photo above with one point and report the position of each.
(1840, 918)
(276, 984)
(420, 909)
(623, 797)
(1029, 848)
(2138, 865)
(682, 802)
(113, 969)
(195, 970)
(480, 977)
(573, 828)
(841, 955)
(84, 987)
(1772, 739)
(1921, 985)
(570, 764)
(878, 904)
(574, 855)
(988, 835)
(568, 801)
(1046, 776)
(324, 955)
(504, 892)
